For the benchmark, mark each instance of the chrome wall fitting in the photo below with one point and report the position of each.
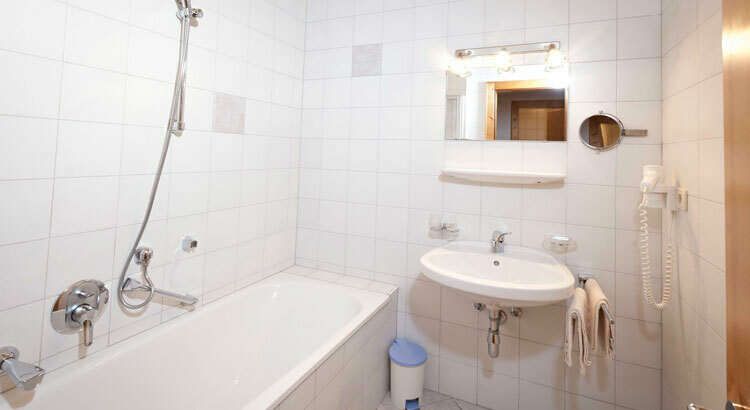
(132, 287)
(24, 375)
(78, 307)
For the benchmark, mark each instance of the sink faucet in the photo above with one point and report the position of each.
(498, 241)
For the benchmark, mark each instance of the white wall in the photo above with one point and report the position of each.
(694, 325)
(85, 96)
(372, 149)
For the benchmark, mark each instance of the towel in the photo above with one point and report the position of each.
(601, 330)
(576, 330)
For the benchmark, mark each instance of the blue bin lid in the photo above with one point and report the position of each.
(406, 353)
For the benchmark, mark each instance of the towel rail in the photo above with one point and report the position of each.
(582, 278)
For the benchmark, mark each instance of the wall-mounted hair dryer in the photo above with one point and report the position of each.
(655, 194)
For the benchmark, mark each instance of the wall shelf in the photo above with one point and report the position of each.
(503, 177)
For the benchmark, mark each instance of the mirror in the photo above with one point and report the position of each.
(481, 109)
(601, 131)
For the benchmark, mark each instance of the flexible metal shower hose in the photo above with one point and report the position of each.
(176, 96)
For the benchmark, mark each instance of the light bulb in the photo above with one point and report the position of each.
(457, 67)
(555, 58)
(504, 61)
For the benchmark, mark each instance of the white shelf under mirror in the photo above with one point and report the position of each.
(503, 177)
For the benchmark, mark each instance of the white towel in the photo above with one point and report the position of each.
(576, 330)
(601, 330)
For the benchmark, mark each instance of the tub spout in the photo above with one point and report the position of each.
(24, 375)
(133, 286)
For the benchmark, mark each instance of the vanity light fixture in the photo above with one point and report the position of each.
(504, 61)
(555, 58)
(458, 67)
(502, 56)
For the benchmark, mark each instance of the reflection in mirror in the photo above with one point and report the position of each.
(601, 131)
(480, 108)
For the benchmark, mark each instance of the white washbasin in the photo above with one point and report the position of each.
(518, 277)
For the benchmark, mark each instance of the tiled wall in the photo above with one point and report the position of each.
(86, 88)
(694, 325)
(371, 153)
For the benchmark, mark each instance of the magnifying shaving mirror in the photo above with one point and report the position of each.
(604, 131)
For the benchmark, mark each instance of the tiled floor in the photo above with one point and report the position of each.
(434, 401)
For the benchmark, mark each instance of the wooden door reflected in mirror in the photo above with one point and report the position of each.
(525, 111)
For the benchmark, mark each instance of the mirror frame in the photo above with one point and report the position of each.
(538, 84)
(602, 149)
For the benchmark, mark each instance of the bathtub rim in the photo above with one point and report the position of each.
(372, 295)
(273, 395)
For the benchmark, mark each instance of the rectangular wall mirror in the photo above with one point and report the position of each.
(481, 109)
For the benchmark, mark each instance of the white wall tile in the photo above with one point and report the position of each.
(25, 322)
(593, 41)
(637, 387)
(546, 12)
(27, 216)
(88, 255)
(638, 80)
(638, 8)
(27, 147)
(591, 10)
(92, 95)
(639, 37)
(30, 84)
(537, 396)
(96, 41)
(88, 149)
(24, 266)
(593, 82)
(458, 380)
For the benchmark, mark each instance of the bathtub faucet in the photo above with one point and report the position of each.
(143, 256)
(24, 375)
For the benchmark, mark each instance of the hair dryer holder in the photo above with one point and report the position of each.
(667, 197)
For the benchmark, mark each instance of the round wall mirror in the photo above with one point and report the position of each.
(601, 131)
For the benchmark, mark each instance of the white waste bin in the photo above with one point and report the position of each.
(407, 373)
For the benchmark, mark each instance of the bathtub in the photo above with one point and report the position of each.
(288, 342)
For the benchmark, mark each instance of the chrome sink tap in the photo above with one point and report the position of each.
(498, 241)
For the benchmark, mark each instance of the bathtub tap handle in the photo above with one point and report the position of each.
(78, 308)
(84, 315)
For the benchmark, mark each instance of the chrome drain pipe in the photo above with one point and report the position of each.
(497, 317)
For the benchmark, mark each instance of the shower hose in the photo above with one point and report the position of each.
(173, 127)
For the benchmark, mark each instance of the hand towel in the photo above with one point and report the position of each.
(576, 330)
(601, 330)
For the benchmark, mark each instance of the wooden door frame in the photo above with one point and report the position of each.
(736, 73)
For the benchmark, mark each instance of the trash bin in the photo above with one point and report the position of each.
(407, 373)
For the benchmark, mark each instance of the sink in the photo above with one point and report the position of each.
(518, 277)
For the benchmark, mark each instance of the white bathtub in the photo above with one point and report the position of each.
(288, 341)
